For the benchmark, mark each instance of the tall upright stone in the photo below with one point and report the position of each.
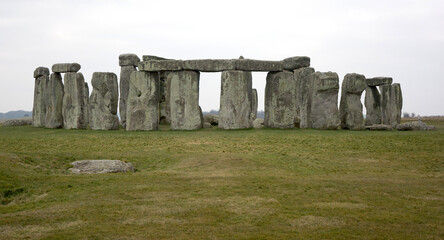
(41, 75)
(143, 101)
(303, 95)
(184, 100)
(128, 63)
(54, 107)
(254, 104)
(350, 109)
(235, 100)
(164, 97)
(372, 103)
(74, 102)
(385, 104)
(103, 101)
(86, 102)
(280, 101)
(396, 104)
(324, 112)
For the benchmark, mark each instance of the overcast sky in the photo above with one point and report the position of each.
(398, 38)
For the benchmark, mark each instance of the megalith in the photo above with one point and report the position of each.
(395, 104)
(372, 103)
(385, 104)
(280, 105)
(350, 109)
(324, 112)
(103, 101)
(54, 107)
(74, 101)
(185, 113)
(164, 97)
(128, 63)
(143, 101)
(235, 100)
(41, 75)
(254, 104)
(303, 95)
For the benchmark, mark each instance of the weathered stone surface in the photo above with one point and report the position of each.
(350, 109)
(379, 127)
(161, 65)
(254, 104)
(324, 106)
(235, 100)
(280, 105)
(128, 59)
(54, 107)
(86, 101)
(184, 100)
(100, 166)
(125, 73)
(209, 65)
(103, 102)
(143, 101)
(74, 102)
(293, 63)
(414, 126)
(152, 57)
(258, 123)
(164, 98)
(385, 104)
(258, 65)
(17, 122)
(41, 71)
(213, 119)
(303, 93)
(207, 125)
(395, 104)
(65, 67)
(378, 81)
(40, 100)
(373, 106)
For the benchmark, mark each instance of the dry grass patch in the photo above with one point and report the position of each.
(310, 222)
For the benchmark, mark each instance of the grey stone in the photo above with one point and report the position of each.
(207, 125)
(324, 106)
(40, 101)
(350, 109)
(41, 71)
(143, 101)
(379, 127)
(395, 104)
(235, 100)
(414, 126)
(258, 65)
(86, 102)
(54, 107)
(293, 63)
(65, 67)
(100, 166)
(184, 100)
(378, 81)
(258, 123)
(209, 65)
(385, 104)
(213, 119)
(128, 59)
(254, 104)
(103, 101)
(303, 93)
(280, 106)
(373, 106)
(161, 65)
(125, 73)
(164, 98)
(152, 57)
(74, 105)
(17, 122)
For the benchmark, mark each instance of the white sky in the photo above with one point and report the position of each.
(398, 38)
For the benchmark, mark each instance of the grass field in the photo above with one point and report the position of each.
(215, 184)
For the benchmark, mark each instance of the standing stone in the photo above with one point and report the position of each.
(74, 105)
(254, 105)
(373, 106)
(303, 93)
(395, 104)
(280, 103)
(86, 102)
(235, 100)
(41, 75)
(324, 106)
(164, 98)
(103, 102)
(350, 110)
(143, 101)
(385, 104)
(128, 63)
(184, 100)
(54, 107)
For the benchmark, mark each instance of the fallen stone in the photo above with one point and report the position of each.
(74, 105)
(40, 97)
(293, 63)
(303, 94)
(254, 104)
(372, 103)
(324, 106)
(213, 119)
(41, 71)
(54, 107)
(65, 67)
(161, 65)
(350, 109)
(414, 126)
(258, 123)
(100, 166)
(152, 57)
(209, 65)
(378, 81)
(125, 73)
(379, 127)
(259, 65)
(128, 59)
(143, 101)
(17, 122)
(103, 101)
(207, 125)
(395, 104)
(280, 100)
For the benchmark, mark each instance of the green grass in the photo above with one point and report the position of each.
(213, 184)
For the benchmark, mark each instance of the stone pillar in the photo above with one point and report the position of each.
(385, 104)
(74, 102)
(41, 75)
(143, 101)
(280, 105)
(164, 97)
(103, 101)
(54, 108)
(324, 106)
(395, 104)
(184, 100)
(350, 110)
(303, 93)
(86, 102)
(128, 63)
(254, 104)
(372, 105)
(235, 100)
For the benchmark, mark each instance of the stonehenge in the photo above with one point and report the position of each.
(159, 90)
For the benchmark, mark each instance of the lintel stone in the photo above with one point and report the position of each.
(259, 65)
(65, 67)
(152, 57)
(378, 81)
(209, 65)
(161, 65)
(41, 71)
(293, 63)
(128, 59)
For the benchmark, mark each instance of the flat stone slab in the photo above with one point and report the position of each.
(161, 65)
(379, 127)
(100, 166)
(259, 65)
(414, 126)
(152, 57)
(293, 63)
(17, 122)
(209, 65)
(65, 67)
(378, 81)
(128, 59)
(41, 71)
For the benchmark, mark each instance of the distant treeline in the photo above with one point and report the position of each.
(15, 114)
(260, 114)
